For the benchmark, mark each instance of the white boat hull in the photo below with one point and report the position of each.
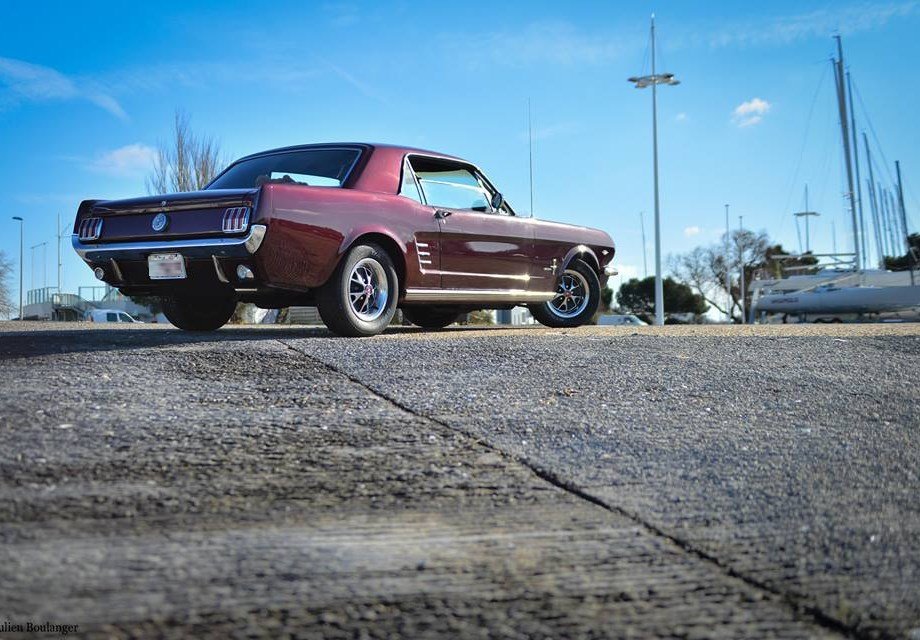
(842, 300)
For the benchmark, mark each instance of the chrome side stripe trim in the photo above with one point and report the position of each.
(501, 276)
(477, 295)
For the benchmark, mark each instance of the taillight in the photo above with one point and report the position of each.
(90, 229)
(235, 219)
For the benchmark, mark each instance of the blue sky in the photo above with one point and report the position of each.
(88, 89)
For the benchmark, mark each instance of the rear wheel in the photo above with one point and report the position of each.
(578, 294)
(430, 318)
(198, 313)
(360, 297)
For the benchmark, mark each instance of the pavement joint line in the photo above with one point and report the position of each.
(793, 601)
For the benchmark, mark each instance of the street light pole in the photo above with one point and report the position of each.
(741, 260)
(19, 219)
(643, 82)
(728, 272)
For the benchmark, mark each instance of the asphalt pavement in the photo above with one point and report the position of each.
(529, 483)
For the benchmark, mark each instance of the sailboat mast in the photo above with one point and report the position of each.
(844, 130)
(897, 167)
(862, 220)
(910, 255)
(873, 201)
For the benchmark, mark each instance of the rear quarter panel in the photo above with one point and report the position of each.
(310, 228)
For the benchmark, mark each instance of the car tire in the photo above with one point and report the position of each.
(430, 318)
(198, 313)
(361, 295)
(578, 294)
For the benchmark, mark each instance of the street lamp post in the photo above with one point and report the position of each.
(728, 272)
(19, 219)
(643, 82)
(741, 260)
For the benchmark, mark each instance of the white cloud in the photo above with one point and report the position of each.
(32, 82)
(681, 117)
(552, 42)
(692, 231)
(130, 160)
(751, 112)
(820, 23)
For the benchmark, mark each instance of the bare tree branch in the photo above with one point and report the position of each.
(6, 290)
(186, 163)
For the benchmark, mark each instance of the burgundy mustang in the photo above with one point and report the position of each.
(354, 229)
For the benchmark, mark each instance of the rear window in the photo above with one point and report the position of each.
(313, 167)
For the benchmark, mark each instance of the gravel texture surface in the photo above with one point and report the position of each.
(602, 482)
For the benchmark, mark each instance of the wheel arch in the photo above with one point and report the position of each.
(582, 252)
(394, 248)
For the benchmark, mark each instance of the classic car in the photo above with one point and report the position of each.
(354, 229)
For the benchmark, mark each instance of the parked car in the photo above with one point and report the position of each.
(614, 320)
(355, 229)
(109, 315)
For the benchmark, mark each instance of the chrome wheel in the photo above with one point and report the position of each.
(368, 291)
(572, 295)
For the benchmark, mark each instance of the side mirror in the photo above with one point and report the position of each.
(497, 201)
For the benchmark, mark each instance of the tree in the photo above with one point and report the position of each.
(606, 298)
(6, 290)
(188, 162)
(638, 296)
(908, 260)
(714, 272)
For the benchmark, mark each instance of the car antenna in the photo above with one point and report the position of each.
(530, 143)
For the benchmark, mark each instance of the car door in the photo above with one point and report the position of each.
(481, 248)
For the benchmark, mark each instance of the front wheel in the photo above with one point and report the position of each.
(198, 313)
(578, 294)
(360, 297)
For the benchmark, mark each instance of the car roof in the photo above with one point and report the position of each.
(401, 149)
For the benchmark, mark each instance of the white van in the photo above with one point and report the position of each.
(108, 315)
(620, 321)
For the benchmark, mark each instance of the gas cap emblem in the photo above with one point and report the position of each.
(160, 221)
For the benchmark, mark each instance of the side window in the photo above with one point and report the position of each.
(409, 188)
(453, 187)
(123, 317)
(111, 317)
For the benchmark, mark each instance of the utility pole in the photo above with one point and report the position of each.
(644, 252)
(834, 236)
(21, 223)
(848, 156)
(741, 259)
(653, 81)
(728, 272)
(807, 214)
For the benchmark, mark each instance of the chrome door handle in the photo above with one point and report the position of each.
(440, 214)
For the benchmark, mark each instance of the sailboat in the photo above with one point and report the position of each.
(856, 290)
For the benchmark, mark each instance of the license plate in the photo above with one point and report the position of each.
(166, 266)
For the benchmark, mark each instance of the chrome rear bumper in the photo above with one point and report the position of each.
(239, 247)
